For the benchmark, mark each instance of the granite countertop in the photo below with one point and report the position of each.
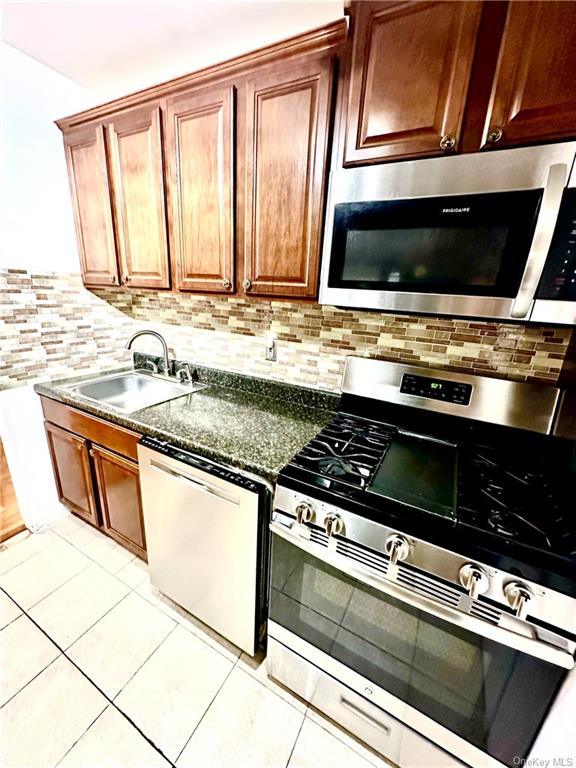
(248, 423)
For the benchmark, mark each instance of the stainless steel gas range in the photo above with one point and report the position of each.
(423, 589)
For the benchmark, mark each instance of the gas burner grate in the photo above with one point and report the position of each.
(515, 495)
(348, 449)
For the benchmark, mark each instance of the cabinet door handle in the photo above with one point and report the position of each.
(494, 134)
(246, 284)
(447, 143)
(125, 278)
(113, 279)
(226, 284)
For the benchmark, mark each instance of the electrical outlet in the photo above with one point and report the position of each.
(271, 347)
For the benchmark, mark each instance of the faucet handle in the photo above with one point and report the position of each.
(184, 373)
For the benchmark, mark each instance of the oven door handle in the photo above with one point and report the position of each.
(545, 225)
(519, 642)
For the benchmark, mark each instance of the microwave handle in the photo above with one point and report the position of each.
(545, 225)
(506, 635)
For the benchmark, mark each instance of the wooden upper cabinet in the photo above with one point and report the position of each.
(88, 175)
(71, 464)
(200, 143)
(137, 181)
(409, 75)
(534, 91)
(287, 118)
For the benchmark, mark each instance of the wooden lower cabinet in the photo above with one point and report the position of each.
(118, 487)
(71, 464)
(98, 481)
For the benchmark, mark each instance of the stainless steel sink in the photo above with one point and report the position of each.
(133, 390)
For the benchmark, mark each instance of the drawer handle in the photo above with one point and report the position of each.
(364, 715)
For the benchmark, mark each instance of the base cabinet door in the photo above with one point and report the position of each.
(287, 119)
(71, 464)
(118, 485)
(534, 91)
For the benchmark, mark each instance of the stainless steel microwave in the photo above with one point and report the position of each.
(487, 235)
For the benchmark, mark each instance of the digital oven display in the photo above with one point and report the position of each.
(436, 389)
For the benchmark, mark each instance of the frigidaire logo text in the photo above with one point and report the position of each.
(455, 210)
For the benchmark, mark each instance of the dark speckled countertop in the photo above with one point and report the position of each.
(248, 423)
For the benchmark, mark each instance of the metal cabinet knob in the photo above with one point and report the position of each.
(447, 143)
(246, 284)
(397, 548)
(125, 278)
(226, 284)
(333, 525)
(518, 596)
(113, 279)
(304, 513)
(494, 134)
(474, 580)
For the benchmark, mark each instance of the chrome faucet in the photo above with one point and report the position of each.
(160, 339)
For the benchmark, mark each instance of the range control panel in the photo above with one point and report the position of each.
(436, 389)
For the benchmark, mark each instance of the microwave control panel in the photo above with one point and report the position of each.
(559, 276)
(436, 389)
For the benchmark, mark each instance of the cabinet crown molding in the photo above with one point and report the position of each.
(317, 40)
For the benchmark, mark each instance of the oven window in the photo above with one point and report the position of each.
(492, 696)
(466, 245)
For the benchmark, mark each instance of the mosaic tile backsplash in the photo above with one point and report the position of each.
(51, 326)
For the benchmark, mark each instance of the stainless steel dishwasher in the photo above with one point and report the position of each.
(206, 538)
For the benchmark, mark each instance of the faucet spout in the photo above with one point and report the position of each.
(162, 341)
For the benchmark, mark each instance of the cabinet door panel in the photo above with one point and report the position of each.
(287, 123)
(199, 133)
(88, 175)
(118, 484)
(137, 176)
(411, 65)
(534, 91)
(71, 464)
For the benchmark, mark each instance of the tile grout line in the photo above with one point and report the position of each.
(296, 740)
(105, 695)
(232, 668)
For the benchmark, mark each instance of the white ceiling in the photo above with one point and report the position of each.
(114, 48)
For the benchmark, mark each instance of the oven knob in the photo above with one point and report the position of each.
(304, 513)
(518, 596)
(474, 580)
(333, 525)
(397, 548)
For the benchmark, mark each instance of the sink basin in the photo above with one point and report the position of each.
(133, 390)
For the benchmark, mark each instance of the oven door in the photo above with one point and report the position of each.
(465, 235)
(484, 692)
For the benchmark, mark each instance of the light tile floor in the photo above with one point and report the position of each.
(97, 670)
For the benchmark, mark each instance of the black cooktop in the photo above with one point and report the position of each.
(511, 492)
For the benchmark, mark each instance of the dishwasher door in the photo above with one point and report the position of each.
(202, 535)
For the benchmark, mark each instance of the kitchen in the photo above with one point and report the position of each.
(287, 384)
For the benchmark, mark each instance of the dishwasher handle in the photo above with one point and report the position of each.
(201, 486)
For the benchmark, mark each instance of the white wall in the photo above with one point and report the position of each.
(37, 228)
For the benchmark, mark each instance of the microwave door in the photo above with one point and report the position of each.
(462, 236)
